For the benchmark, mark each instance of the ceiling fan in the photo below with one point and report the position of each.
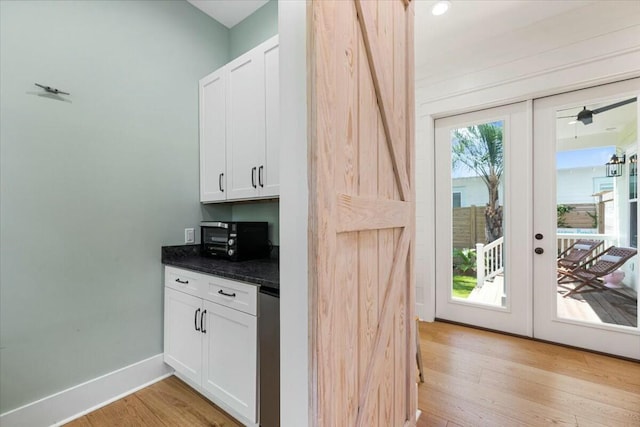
(586, 116)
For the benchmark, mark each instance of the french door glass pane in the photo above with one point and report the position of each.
(477, 188)
(596, 208)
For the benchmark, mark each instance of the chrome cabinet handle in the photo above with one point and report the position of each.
(253, 177)
(184, 282)
(220, 182)
(195, 320)
(260, 169)
(204, 331)
(221, 292)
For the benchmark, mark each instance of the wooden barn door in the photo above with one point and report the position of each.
(361, 203)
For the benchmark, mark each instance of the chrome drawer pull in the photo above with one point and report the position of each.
(184, 282)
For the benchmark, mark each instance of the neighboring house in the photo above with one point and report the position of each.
(575, 185)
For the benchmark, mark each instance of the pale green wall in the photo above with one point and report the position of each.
(92, 188)
(256, 28)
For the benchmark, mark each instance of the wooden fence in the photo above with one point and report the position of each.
(468, 227)
(468, 223)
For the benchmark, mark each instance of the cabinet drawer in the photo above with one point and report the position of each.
(236, 295)
(183, 280)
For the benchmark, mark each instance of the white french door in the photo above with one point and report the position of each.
(483, 254)
(569, 170)
(518, 184)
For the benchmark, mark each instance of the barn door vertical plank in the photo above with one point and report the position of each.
(322, 235)
(399, 56)
(346, 182)
(387, 189)
(368, 240)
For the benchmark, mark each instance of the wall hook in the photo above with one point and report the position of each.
(52, 89)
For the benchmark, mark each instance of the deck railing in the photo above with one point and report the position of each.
(489, 260)
(490, 257)
(567, 239)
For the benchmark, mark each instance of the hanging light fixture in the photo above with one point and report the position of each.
(614, 166)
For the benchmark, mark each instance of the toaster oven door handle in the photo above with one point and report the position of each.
(215, 224)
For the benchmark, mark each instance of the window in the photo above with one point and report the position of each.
(457, 199)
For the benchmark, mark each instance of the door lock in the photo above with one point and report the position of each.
(539, 251)
(539, 236)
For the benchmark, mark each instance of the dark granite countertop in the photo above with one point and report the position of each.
(263, 272)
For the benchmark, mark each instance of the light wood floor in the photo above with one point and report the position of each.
(480, 378)
(472, 378)
(169, 402)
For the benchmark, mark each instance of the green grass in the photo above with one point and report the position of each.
(463, 285)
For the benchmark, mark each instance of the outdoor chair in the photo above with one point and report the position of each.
(581, 250)
(589, 276)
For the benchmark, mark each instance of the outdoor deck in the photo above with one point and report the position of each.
(603, 307)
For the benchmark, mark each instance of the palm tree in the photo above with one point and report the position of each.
(479, 148)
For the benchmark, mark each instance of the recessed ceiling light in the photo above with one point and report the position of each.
(441, 7)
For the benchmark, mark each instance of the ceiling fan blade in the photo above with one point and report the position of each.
(566, 117)
(612, 106)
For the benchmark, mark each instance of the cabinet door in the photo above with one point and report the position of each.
(245, 125)
(270, 172)
(212, 137)
(182, 342)
(230, 358)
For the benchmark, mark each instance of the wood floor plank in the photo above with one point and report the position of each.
(172, 399)
(461, 410)
(430, 420)
(497, 401)
(126, 412)
(79, 422)
(551, 396)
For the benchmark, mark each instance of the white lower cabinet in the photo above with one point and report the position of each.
(230, 358)
(213, 345)
(182, 341)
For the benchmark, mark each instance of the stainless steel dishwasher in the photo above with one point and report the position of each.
(269, 357)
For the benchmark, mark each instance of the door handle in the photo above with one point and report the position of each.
(220, 182)
(539, 251)
(260, 169)
(204, 331)
(195, 320)
(253, 177)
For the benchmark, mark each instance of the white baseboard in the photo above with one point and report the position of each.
(74, 402)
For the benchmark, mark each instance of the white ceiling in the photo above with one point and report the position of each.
(475, 35)
(486, 37)
(228, 12)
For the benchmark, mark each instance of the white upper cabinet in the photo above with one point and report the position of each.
(213, 137)
(245, 124)
(251, 128)
(269, 172)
